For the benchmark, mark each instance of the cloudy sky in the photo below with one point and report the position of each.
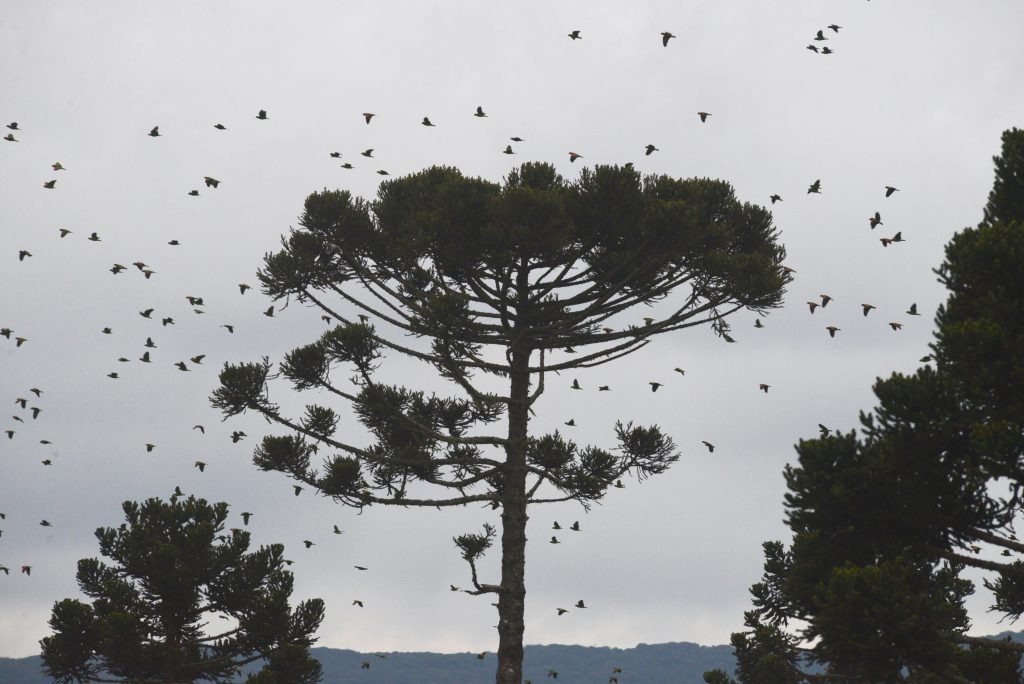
(915, 96)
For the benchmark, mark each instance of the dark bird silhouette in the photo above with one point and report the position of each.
(181, 366)
(167, 321)
(270, 311)
(193, 193)
(479, 112)
(57, 166)
(262, 115)
(201, 465)
(200, 428)
(368, 116)
(155, 132)
(775, 198)
(896, 326)
(335, 155)
(889, 190)
(866, 308)
(654, 386)
(26, 569)
(150, 447)
(220, 127)
(575, 35)
(665, 37)
(211, 182)
(9, 433)
(93, 237)
(245, 517)
(49, 185)
(508, 150)
(827, 50)
(117, 268)
(346, 165)
(64, 232)
(825, 299)
(22, 254)
(426, 121)
(575, 527)
(36, 391)
(46, 523)
(337, 531)
(237, 435)
(297, 489)
(703, 116)
(198, 359)
(573, 156)
(230, 328)
(517, 139)
(912, 311)
(604, 388)
(875, 220)
(815, 187)
(709, 445)
(650, 149)
(382, 172)
(571, 422)
(763, 387)
(820, 35)
(556, 526)
(22, 402)
(147, 313)
(307, 543)
(36, 411)
(13, 126)
(150, 343)
(367, 153)
(580, 604)
(813, 306)
(832, 330)
(554, 540)
(576, 384)
(758, 323)
(10, 138)
(359, 567)
(835, 28)
(680, 371)
(561, 611)
(113, 376)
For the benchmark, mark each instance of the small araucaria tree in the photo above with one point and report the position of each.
(152, 616)
(525, 267)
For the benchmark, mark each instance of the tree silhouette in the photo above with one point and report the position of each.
(152, 616)
(886, 523)
(527, 267)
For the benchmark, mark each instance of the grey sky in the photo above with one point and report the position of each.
(915, 96)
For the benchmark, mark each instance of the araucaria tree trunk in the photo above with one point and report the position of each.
(535, 264)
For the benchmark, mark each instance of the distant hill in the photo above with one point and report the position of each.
(675, 663)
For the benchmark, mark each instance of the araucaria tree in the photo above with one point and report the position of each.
(525, 267)
(886, 523)
(153, 615)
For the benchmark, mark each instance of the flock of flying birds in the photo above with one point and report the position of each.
(27, 402)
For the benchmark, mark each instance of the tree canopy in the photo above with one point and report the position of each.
(528, 268)
(154, 612)
(886, 522)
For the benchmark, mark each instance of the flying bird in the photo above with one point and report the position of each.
(245, 517)
(665, 37)
(573, 156)
(555, 525)
(93, 237)
(270, 311)
(297, 489)
(508, 150)
(889, 190)
(64, 232)
(815, 187)
(651, 149)
(337, 531)
(575, 35)
(147, 313)
(912, 311)
(23, 253)
(150, 447)
(820, 36)
(580, 604)
(554, 540)
(193, 193)
(13, 125)
(775, 198)
(368, 116)
(896, 326)
(703, 116)
(576, 384)
(825, 299)
(832, 330)
(758, 323)
(181, 366)
(575, 527)
(237, 435)
(480, 112)
(813, 306)
(150, 344)
(835, 28)
(571, 422)
(200, 428)
(262, 115)
(10, 138)
(875, 220)
(866, 308)
(201, 465)
(604, 388)
(230, 328)
(561, 611)
(49, 185)
(367, 153)
(382, 172)
(220, 127)
(763, 387)
(57, 166)
(426, 121)
(827, 50)
(654, 386)
(211, 182)
(307, 543)
(155, 132)
(335, 155)
(346, 165)
(709, 445)
(359, 567)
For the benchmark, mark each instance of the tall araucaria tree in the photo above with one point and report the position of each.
(174, 569)
(886, 523)
(528, 266)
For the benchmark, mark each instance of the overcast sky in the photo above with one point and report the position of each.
(915, 96)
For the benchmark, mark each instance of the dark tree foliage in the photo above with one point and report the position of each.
(525, 268)
(152, 619)
(886, 523)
